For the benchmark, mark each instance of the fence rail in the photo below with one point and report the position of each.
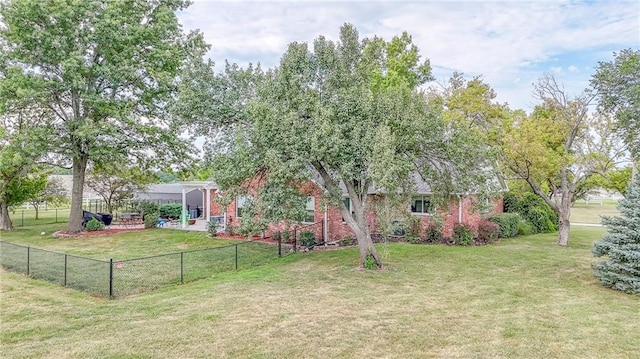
(119, 278)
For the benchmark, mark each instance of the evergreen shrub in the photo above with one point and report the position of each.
(94, 225)
(621, 245)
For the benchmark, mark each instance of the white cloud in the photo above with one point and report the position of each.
(502, 41)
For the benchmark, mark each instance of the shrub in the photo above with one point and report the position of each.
(434, 233)
(94, 225)
(413, 230)
(533, 209)
(525, 228)
(276, 236)
(307, 239)
(147, 207)
(212, 228)
(151, 220)
(507, 222)
(171, 210)
(462, 235)
(488, 232)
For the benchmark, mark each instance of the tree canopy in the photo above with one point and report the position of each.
(101, 72)
(618, 86)
(348, 115)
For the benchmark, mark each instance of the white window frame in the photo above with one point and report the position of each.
(241, 201)
(423, 198)
(310, 210)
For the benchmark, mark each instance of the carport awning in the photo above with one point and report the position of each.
(188, 186)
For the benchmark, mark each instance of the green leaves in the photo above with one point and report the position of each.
(617, 84)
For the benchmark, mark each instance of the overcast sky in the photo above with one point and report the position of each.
(510, 44)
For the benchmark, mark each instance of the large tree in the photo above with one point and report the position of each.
(617, 84)
(347, 115)
(21, 148)
(104, 71)
(558, 148)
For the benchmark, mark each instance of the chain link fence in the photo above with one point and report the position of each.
(116, 279)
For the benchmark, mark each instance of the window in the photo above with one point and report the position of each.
(421, 205)
(241, 203)
(309, 216)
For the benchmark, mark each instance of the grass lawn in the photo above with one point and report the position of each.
(582, 212)
(144, 260)
(522, 298)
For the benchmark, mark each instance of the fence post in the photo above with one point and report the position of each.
(295, 240)
(22, 218)
(28, 259)
(236, 257)
(65, 270)
(181, 268)
(279, 246)
(110, 278)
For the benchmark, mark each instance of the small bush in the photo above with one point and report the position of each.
(525, 228)
(276, 236)
(212, 228)
(94, 225)
(507, 222)
(434, 233)
(413, 228)
(307, 239)
(171, 210)
(462, 235)
(147, 207)
(151, 220)
(488, 232)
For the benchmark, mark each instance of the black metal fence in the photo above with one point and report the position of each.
(120, 278)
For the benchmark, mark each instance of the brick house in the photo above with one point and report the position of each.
(326, 220)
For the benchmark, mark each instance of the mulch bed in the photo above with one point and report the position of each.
(104, 232)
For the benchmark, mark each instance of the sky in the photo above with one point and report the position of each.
(510, 44)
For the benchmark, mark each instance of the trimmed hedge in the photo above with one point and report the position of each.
(508, 223)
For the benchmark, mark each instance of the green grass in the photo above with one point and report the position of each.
(144, 260)
(27, 217)
(591, 213)
(522, 298)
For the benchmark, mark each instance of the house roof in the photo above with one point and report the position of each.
(496, 183)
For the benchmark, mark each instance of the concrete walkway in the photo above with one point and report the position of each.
(586, 224)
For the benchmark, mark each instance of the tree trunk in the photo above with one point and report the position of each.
(36, 208)
(368, 254)
(75, 216)
(367, 250)
(564, 226)
(5, 221)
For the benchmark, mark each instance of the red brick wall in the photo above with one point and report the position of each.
(337, 229)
